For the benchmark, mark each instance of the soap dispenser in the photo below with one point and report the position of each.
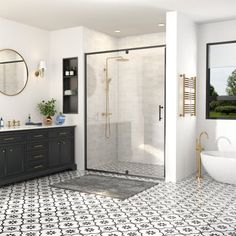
(1, 123)
(29, 118)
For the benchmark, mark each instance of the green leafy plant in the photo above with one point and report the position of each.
(47, 108)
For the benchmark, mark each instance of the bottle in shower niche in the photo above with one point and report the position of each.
(67, 72)
(72, 71)
(1, 123)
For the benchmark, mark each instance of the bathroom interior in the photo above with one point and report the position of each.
(154, 102)
(128, 110)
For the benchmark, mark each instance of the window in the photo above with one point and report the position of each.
(221, 80)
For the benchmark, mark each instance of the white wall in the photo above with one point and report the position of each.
(221, 132)
(142, 40)
(69, 43)
(171, 95)
(186, 126)
(95, 41)
(181, 41)
(32, 44)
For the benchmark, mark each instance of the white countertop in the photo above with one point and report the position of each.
(29, 127)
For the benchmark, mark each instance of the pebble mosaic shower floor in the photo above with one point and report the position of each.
(34, 208)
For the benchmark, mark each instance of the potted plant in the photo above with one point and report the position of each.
(47, 109)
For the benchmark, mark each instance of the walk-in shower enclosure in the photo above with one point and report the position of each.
(125, 111)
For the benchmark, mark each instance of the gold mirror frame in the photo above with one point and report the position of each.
(27, 72)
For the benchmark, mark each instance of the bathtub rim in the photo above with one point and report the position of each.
(210, 154)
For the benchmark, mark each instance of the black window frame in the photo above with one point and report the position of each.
(218, 98)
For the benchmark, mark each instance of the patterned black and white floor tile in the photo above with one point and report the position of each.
(33, 208)
(140, 169)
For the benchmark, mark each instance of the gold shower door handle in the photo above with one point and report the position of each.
(160, 112)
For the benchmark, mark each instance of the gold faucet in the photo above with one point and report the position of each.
(13, 123)
(199, 149)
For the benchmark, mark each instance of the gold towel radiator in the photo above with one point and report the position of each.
(189, 95)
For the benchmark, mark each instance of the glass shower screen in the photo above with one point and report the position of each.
(125, 123)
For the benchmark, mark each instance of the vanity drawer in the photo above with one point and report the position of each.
(35, 156)
(37, 165)
(61, 132)
(35, 146)
(39, 135)
(12, 138)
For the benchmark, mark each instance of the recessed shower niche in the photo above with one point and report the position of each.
(70, 85)
(125, 121)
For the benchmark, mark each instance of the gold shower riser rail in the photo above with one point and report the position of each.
(189, 95)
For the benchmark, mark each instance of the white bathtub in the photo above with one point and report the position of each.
(221, 166)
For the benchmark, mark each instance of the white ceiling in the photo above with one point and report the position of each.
(130, 16)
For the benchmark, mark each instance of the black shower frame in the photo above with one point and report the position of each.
(85, 107)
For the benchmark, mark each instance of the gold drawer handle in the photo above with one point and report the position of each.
(38, 146)
(38, 136)
(62, 133)
(8, 139)
(38, 156)
(37, 167)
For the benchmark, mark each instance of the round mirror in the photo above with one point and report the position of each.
(13, 72)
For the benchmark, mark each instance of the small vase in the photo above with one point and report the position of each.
(48, 120)
(60, 119)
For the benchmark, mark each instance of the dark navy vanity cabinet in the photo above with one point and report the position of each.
(26, 154)
(12, 151)
(61, 150)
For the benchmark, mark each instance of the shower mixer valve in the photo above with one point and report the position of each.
(106, 114)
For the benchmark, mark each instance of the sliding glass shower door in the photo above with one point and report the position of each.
(125, 121)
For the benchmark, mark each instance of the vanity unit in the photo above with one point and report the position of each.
(32, 152)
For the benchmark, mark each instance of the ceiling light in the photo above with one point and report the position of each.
(117, 31)
(161, 24)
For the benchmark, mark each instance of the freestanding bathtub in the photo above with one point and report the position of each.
(221, 166)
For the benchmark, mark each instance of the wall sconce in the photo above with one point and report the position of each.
(42, 67)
